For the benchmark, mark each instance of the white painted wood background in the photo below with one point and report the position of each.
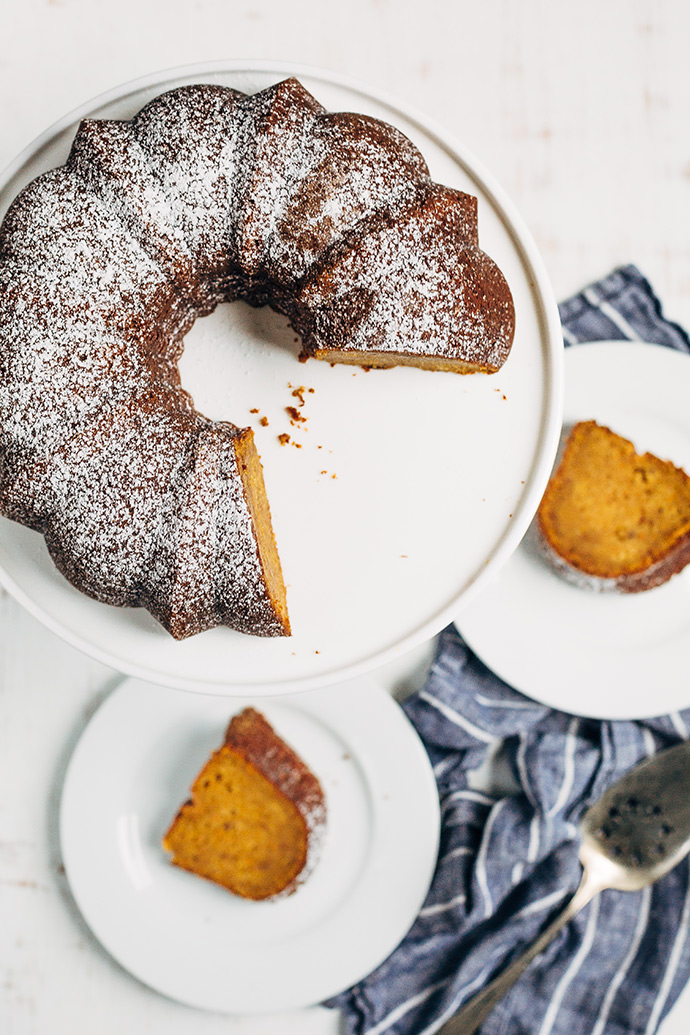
(580, 110)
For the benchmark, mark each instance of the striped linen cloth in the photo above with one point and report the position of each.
(508, 859)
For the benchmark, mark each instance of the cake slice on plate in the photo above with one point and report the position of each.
(611, 518)
(255, 816)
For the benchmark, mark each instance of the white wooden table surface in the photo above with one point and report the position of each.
(580, 110)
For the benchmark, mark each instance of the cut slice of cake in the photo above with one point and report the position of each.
(611, 518)
(414, 290)
(255, 815)
(206, 572)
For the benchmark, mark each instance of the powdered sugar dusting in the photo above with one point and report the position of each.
(408, 286)
(205, 196)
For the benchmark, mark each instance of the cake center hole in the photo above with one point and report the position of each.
(233, 356)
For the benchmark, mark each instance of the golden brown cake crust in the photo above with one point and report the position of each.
(613, 519)
(256, 815)
(252, 735)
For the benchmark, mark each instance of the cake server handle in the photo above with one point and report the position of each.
(637, 831)
(473, 1013)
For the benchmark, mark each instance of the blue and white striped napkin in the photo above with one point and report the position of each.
(508, 858)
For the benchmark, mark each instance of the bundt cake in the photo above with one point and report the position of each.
(205, 196)
(256, 815)
(612, 519)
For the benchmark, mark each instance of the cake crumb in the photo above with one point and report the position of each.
(264, 422)
(294, 415)
(284, 439)
(298, 393)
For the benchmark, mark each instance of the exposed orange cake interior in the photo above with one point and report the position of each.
(254, 816)
(613, 514)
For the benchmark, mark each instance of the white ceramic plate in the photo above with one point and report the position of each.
(195, 942)
(409, 489)
(598, 654)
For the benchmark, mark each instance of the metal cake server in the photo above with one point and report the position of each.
(637, 831)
